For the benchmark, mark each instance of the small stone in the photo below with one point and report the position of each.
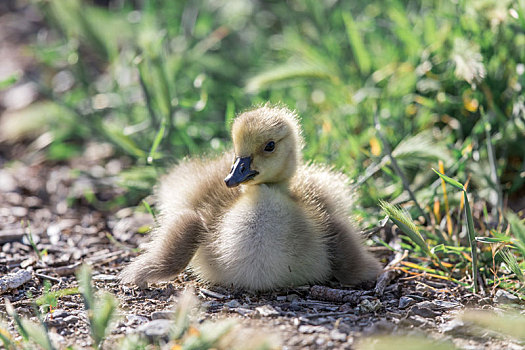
(60, 313)
(337, 335)
(367, 305)
(405, 302)
(7, 182)
(443, 304)
(162, 315)
(71, 319)
(233, 304)
(52, 321)
(307, 329)
(244, 311)
(423, 312)
(413, 321)
(19, 211)
(156, 329)
(454, 326)
(135, 320)
(504, 297)
(292, 297)
(320, 341)
(104, 278)
(267, 310)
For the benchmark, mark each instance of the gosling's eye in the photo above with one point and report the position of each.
(270, 146)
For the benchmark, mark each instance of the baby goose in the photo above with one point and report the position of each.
(285, 225)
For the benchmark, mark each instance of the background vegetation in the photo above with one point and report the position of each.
(386, 91)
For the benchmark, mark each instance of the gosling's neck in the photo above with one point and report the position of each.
(281, 186)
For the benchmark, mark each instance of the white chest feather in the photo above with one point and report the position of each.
(264, 241)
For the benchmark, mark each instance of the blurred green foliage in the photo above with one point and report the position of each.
(163, 79)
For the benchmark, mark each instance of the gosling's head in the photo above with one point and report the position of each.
(267, 143)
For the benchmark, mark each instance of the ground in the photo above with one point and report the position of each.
(65, 208)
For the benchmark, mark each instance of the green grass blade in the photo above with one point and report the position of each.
(512, 263)
(124, 141)
(405, 224)
(230, 113)
(9, 81)
(356, 42)
(156, 143)
(449, 180)
(517, 228)
(38, 334)
(85, 287)
(149, 209)
(493, 240)
(285, 73)
(472, 240)
(102, 317)
(5, 337)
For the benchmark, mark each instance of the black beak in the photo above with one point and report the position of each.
(240, 172)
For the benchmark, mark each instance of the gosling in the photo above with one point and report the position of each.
(269, 221)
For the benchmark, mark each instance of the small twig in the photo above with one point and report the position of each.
(212, 294)
(46, 277)
(335, 295)
(389, 273)
(63, 270)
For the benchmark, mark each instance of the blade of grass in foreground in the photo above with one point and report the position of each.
(470, 227)
(404, 222)
(512, 263)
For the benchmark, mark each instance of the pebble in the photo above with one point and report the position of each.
(156, 329)
(244, 311)
(135, 319)
(405, 302)
(367, 306)
(443, 304)
(162, 315)
(71, 319)
(292, 297)
(337, 335)
(307, 329)
(267, 310)
(455, 326)
(104, 278)
(19, 211)
(233, 304)
(7, 182)
(423, 312)
(60, 313)
(504, 297)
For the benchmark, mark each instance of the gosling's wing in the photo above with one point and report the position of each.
(197, 185)
(325, 191)
(326, 197)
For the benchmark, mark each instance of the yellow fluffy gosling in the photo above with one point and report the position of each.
(272, 222)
